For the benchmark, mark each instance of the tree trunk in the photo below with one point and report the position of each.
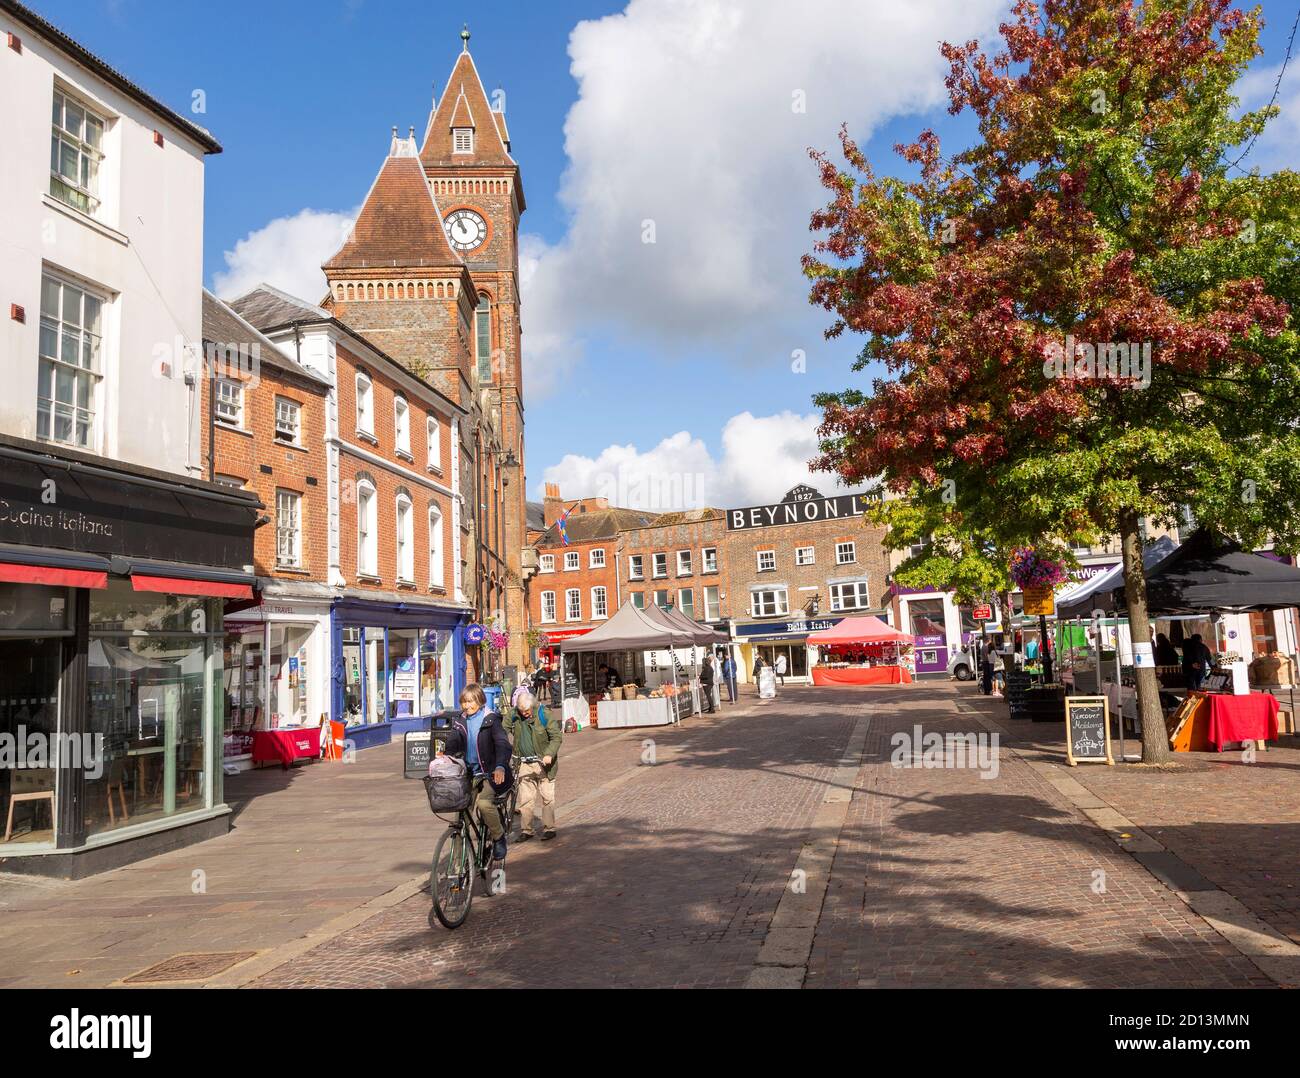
(1155, 739)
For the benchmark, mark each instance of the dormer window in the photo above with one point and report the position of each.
(462, 140)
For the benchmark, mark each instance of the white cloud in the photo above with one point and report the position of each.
(688, 117)
(287, 253)
(1279, 146)
(762, 457)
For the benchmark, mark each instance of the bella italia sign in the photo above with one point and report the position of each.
(802, 505)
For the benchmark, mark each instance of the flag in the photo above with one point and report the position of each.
(564, 535)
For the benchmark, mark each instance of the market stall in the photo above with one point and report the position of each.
(633, 633)
(862, 651)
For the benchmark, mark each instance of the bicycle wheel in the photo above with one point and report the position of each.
(451, 881)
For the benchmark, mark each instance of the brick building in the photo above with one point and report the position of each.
(678, 559)
(798, 566)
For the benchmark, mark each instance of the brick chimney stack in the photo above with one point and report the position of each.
(552, 504)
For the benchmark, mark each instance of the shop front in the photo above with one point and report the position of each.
(394, 665)
(933, 620)
(775, 639)
(276, 675)
(112, 582)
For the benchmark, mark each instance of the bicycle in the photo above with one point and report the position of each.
(463, 851)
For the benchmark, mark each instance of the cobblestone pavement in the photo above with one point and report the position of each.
(672, 875)
(1235, 822)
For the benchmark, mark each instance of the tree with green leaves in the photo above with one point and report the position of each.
(1087, 317)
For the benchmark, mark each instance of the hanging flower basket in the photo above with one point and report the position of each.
(1030, 569)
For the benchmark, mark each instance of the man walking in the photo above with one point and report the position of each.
(781, 668)
(729, 676)
(706, 683)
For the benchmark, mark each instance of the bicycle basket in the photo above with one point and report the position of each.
(447, 793)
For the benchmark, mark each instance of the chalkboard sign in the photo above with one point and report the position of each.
(1016, 686)
(1087, 730)
(572, 687)
(417, 751)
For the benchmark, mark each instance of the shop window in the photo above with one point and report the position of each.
(374, 657)
(76, 153)
(287, 670)
(768, 602)
(686, 602)
(573, 604)
(766, 561)
(548, 606)
(596, 559)
(850, 595)
(402, 426)
(30, 669)
(403, 673)
(805, 555)
(599, 606)
(288, 529)
(846, 553)
(70, 364)
(436, 683)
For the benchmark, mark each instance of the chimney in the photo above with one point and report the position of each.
(552, 505)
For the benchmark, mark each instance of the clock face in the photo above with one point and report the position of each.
(466, 230)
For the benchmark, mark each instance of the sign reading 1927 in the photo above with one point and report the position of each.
(802, 505)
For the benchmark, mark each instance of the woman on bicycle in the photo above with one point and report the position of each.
(537, 744)
(482, 741)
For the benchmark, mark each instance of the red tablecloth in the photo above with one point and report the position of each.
(1252, 717)
(861, 675)
(286, 745)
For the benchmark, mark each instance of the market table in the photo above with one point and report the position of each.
(286, 746)
(644, 711)
(1252, 717)
(861, 675)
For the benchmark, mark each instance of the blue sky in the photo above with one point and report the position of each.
(671, 360)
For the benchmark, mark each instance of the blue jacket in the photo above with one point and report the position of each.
(494, 749)
(728, 669)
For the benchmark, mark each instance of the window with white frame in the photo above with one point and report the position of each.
(76, 153)
(686, 601)
(288, 529)
(230, 402)
(287, 415)
(683, 563)
(573, 604)
(846, 553)
(546, 563)
(596, 559)
(365, 404)
(548, 606)
(462, 140)
(850, 595)
(805, 555)
(367, 522)
(402, 425)
(70, 364)
(405, 540)
(709, 556)
(572, 561)
(638, 600)
(766, 561)
(434, 444)
(436, 574)
(917, 549)
(660, 565)
(712, 608)
(661, 598)
(636, 567)
(599, 606)
(768, 602)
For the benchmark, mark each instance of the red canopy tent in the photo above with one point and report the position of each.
(860, 631)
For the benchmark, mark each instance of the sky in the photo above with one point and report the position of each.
(670, 353)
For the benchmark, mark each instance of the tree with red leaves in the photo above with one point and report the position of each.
(1087, 318)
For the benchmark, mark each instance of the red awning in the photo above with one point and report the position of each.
(178, 585)
(860, 630)
(14, 573)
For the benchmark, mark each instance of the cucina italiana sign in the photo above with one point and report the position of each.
(802, 505)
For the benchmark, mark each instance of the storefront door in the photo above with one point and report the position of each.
(930, 634)
(29, 717)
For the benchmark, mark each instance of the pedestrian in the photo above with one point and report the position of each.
(480, 737)
(525, 684)
(1197, 659)
(706, 683)
(729, 676)
(536, 736)
(780, 668)
(986, 668)
(1165, 652)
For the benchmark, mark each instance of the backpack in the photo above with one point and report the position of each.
(447, 784)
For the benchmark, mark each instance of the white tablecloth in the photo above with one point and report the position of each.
(650, 711)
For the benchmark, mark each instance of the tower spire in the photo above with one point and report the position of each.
(464, 37)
